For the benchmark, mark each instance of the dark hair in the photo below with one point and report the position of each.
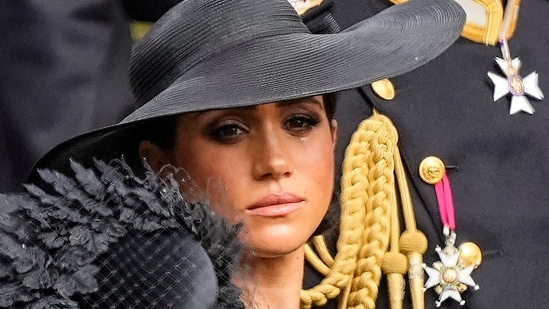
(162, 131)
(159, 131)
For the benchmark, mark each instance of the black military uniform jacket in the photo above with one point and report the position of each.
(501, 168)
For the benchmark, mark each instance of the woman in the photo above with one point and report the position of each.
(273, 173)
(236, 94)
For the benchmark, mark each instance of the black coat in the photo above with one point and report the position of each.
(63, 68)
(63, 72)
(501, 199)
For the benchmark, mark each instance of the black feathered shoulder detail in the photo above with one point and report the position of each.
(105, 238)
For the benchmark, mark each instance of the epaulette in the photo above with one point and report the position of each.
(485, 19)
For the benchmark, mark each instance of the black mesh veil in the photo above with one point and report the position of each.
(105, 238)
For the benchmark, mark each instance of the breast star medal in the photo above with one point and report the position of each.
(452, 274)
(513, 83)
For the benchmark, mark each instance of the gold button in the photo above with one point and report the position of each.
(384, 89)
(431, 170)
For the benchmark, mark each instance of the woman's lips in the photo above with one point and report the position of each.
(276, 205)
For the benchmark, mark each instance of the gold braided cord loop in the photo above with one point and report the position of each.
(317, 263)
(323, 251)
(366, 199)
(376, 137)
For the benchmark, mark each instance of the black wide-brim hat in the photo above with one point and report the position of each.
(210, 54)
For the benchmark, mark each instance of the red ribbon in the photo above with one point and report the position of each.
(445, 202)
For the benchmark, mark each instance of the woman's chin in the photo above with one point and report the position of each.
(274, 244)
(273, 252)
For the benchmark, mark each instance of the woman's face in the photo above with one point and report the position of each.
(269, 166)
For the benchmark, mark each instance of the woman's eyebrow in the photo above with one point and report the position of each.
(280, 103)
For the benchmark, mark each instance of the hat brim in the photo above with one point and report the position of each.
(395, 41)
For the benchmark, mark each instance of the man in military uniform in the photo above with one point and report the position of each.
(492, 141)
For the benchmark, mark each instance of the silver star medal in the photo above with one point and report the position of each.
(451, 275)
(513, 83)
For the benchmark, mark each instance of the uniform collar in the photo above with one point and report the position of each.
(486, 19)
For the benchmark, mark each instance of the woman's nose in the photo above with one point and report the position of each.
(273, 159)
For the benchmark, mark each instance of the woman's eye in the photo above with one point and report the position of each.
(301, 123)
(227, 133)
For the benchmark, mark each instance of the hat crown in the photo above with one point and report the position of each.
(194, 30)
